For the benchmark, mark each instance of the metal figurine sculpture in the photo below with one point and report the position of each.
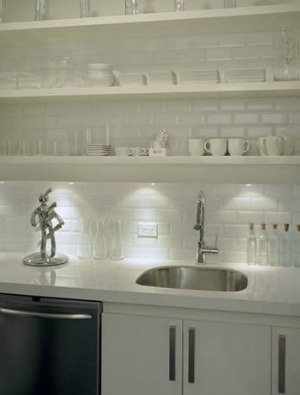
(43, 216)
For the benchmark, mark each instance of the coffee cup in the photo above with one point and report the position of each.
(216, 147)
(270, 146)
(196, 147)
(288, 145)
(124, 151)
(238, 147)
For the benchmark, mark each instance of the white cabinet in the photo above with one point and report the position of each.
(226, 358)
(286, 361)
(143, 356)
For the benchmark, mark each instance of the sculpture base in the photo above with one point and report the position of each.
(37, 260)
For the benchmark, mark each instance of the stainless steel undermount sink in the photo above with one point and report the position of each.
(195, 278)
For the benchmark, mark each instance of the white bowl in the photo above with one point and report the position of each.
(101, 79)
(161, 77)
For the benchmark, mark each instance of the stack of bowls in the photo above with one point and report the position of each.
(100, 74)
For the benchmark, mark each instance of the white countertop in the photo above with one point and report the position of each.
(270, 290)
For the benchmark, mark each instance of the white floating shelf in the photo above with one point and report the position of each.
(206, 90)
(242, 19)
(246, 169)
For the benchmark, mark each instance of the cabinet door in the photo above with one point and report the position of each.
(141, 355)
(286, 361)
(226, 359)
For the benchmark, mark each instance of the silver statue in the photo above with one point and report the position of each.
(43, 216)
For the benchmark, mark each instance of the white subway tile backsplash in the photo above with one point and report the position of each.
(218, 119)
(229, 209)
(273, 118)
(246, 118)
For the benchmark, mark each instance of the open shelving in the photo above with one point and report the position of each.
(152, 169)
(241, 19)
(204, 90)
(247, 169)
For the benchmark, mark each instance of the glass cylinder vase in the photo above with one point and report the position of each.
(285, 63)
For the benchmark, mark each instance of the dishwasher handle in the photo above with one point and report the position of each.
(55, 316)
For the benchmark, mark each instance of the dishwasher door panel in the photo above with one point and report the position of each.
(51, 350)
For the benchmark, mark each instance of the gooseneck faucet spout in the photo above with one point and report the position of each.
(199, 226)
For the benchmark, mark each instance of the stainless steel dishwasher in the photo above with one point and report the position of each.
(49, 346)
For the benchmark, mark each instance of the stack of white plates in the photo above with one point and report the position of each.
(192, 76)
(250, 75)
(100, 74)
(98, 150)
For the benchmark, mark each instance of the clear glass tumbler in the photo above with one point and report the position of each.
(41, 10)
(131, 7)
(1, 11)
(85, 8)
(179, 5)
(229, 3)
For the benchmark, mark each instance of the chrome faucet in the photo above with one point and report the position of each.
(199, 226)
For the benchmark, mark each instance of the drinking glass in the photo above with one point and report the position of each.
(25, 148)
(179, 5)
(1, 11)
(131, 7)
(11, 147)
(229, 3)
(41, 10)
(85, 8)
(39, 147)
(53, 148)
(85, 247)
(76, 144)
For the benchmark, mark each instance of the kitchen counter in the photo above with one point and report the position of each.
(270, 290)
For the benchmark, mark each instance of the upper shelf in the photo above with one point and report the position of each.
(242, 19)
(246, 169)
(200, 90)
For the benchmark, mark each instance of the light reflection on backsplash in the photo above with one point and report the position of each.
(229, 209)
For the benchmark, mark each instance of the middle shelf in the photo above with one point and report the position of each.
(246, 169)
(199, 90)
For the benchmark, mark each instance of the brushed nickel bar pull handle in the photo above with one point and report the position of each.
(191, 357)
(21, 313)
(172, 353)
(281, 363)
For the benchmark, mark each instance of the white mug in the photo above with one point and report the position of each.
(270, 146)
(124, 151)
(216, 147)
(238, 147)
(139, 151)
(196, 147)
